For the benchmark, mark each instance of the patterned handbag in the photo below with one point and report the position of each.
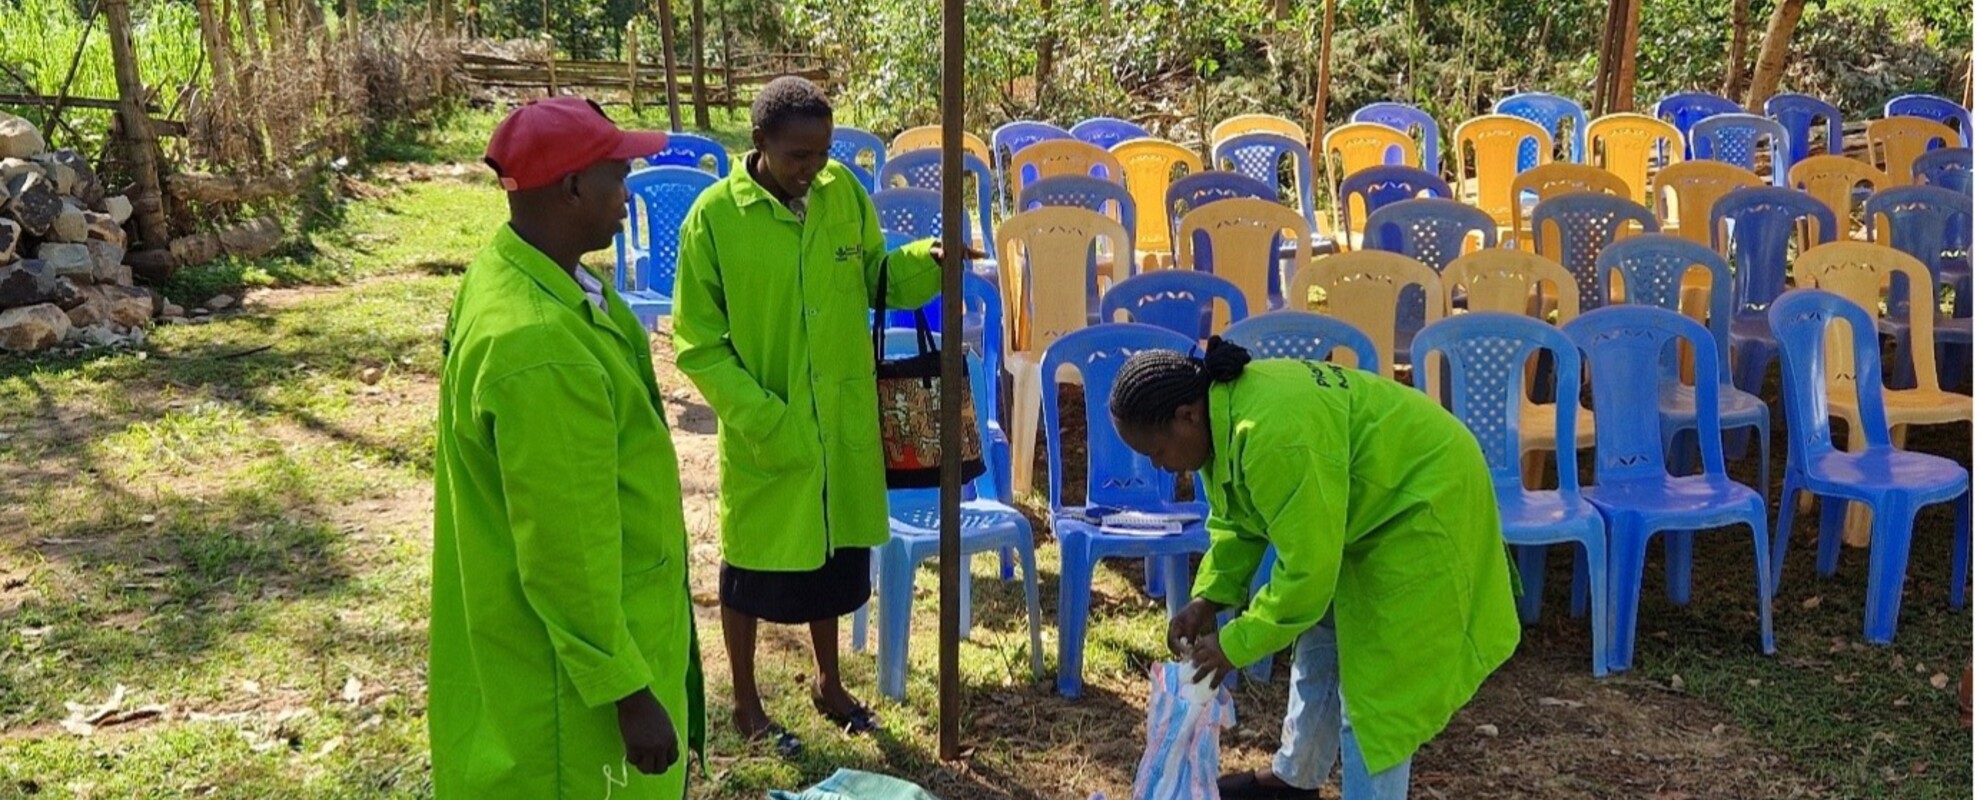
(911, 406)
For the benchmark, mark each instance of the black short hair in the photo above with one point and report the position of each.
(785, 99)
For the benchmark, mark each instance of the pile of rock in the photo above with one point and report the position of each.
(62, 243)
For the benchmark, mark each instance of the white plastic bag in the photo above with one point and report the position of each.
(1183, 718)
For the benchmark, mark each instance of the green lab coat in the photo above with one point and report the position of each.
(771, 323)
(1379, 503)
(559, 549)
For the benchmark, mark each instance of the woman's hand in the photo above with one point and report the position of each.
(1208, 655)
(935, 252)
(1192, 623)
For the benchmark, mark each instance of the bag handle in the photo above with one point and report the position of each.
(924, 335)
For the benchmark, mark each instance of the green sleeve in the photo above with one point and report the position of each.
(557, 443)
(1224, 575)
(1301, 494)
(701, 342)
(913, 276)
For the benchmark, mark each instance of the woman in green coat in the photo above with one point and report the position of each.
(1391, 576)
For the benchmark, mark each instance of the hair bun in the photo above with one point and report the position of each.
(1224, 360)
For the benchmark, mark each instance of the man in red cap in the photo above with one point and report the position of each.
(563, 658)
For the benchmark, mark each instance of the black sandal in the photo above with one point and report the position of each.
(859, 720)
(1245, 786)
(787, 744)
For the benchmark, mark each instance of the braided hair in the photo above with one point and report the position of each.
(1154, 383)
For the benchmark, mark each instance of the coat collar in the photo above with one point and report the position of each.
(747, 192)
(560, 285)
(1223, 455)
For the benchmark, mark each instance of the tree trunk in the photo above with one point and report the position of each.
(1736, 49)
(665, 11)
(1048, 47)
(149, 206)
(632, 66)
(698, 39)
(271, 18)
(1772, 61)
(447, 16)
(216, 46)
(1606, 56)
(1625, 99)
(250, 42)
(1321, 83)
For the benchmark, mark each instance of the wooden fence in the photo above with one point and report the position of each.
(639, 83)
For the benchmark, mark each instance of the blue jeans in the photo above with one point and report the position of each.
(1317, 727)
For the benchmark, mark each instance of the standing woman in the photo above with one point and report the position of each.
(1391, 575)
(779, 264)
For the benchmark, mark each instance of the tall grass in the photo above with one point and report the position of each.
(39, 42)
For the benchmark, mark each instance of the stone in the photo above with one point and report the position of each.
(34, 202)
(118, 207)
(70, 226)
(19, 138)
(105, 260)
(10, 240)
(198, 248)
(10, 167)
(130, 307)
(94, 309)
(31, 328)
(220, 302)
(26, 283)
(103, 228)
(68, 260)
(172, 311)
(68, 293)
(252, 238)
(71, 163)
(100, 335)
(63, 177)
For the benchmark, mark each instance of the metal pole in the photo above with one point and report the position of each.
(954, 260)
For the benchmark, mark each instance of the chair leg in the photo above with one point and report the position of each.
(1075, 597)
(1828, 546)
(1784, 529)
(1580, 588)
(1029, 561)
(1627, 544)
(1151, 574)
(1175, 570)
(1765, 433)
(1600, 627)
(1026, 407)
(896, 603)
(1890, 550)
(1962, 547)
(1677, 567)
(1532, 573)
(1763, 579)
(965, 621)
(1004, 562)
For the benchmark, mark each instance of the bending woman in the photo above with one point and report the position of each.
(1391, 576)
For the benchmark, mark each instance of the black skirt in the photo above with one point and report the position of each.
(836, 589)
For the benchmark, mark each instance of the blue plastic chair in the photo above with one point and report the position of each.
(1432, 230)
(1763, 219)
(1485, 354)
(1928, 224)
(1547, 111)
(914, 213)
(922, 169)
(1936, 109)
(914, 527)
(848, 143)
(1380, 186)
(1652, 269)
(1105, 132)
(1799, 113)
(1894, 483)
(1408, 119)
(1261, 156)
(1180, 300)
(1302, 335)
(1012, 137)
(1097, 195)
(1637, 496)
(1582, 225)
(660, 197)
(692, 150)
(1949, 168)
(1735, 139)
(1685, 109)
(1115, 476)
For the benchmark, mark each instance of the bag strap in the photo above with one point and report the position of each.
(880, 316)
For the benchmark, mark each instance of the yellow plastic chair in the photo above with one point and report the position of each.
(1364, 289)
(1861, 272)
(1832, 180)
(1354, 147)
(1553, 180)
(1256, 123)
(1487, 158)
(1042, 257)
(930, 137)
(1061, 157)
(1511, 282)
(1150, 166)
(1242, 231)
(1895, 142)
(1628, 145)
(1684, 194)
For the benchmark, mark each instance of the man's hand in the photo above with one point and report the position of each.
(968, 252)
(1208, 655)
(1191, 623)
(649, 733)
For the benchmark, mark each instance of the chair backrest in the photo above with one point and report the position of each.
(1565, 120)
(1181, 300)
(1926, 222)
(1243, 235)
(1861, 272)
(1684, 194)
(1367, 289)
(853, 146)
(1048, 261)
(1505, 281)
(1115, 474)
(1835, 181)
(929, 137)
(1150, 166)
(665, 194)
(1061, 157)
(922, 169)
(1936, 109)
(692, 150)
(1548, 181)
(1013, 138)
(1652, 268)
(1815, 327)
(1762, 221)
(1615, 343)
(1256, 123)
(1306, 336)
(1629, 145)
(1486, 353)
(1357, 146)
(1487, 153)
(1947, 168)
(1735, 139)
(1574, 228)
(1263, 156)
(1363, 192)
(915, 213)
(1431, 230)
(1202, 188)
(1409, 119)
(1896, 142)
(1081, 191)
(1105, 132)
(1799, 114)
(1685, 109)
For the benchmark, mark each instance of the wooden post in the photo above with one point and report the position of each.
(1605, 59)
(953, 384)
(1321, 83)
(1625, 98)
(216, 45)
(447, 13)
(1772, 61)
(149, 205)
(551, 37)
(1736, 49)
(729, 72)
(271, 18)
(632, 65)
(697, 37)
(353, 21)
(665, 11)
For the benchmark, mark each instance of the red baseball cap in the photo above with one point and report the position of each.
(540, 143)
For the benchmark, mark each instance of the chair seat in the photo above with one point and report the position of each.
(1536, 427)
(1885, 469)
(1701, 501)
(1921, 406)
(1751, 326)
(1544, 517)
(978, 516)
(1736, 408)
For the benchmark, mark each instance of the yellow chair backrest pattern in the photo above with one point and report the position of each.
(929, 137)
(1256, 123)
(1054, 157)
(1627, 144)
(1895, 142)
(1043, 254)
(1509, 281)
(1548, 181)
(1832, 180)
(1685, 193)
(1244, 234)
(1150, 167)
(1861, 271)
(1364, 289)
(1487, 159)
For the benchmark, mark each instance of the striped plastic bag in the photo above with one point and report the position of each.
(1183, 719)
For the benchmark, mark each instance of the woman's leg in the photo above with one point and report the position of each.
(1313, 711)
(739, 635)
(830, 690)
